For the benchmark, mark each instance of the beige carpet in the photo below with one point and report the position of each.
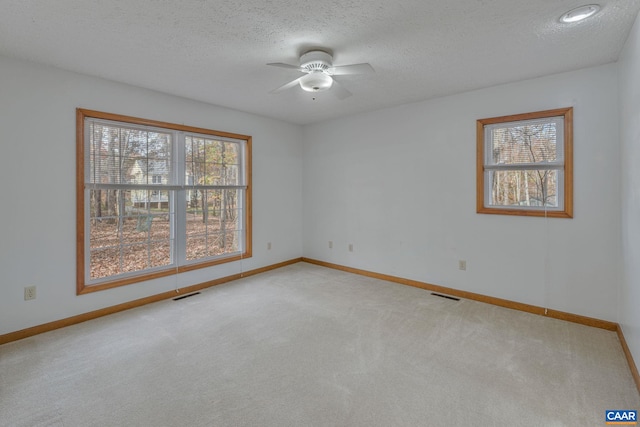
(310, 346)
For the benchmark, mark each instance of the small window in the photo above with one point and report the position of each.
(525, 164)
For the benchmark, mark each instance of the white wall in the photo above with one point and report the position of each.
(629, 66)
(399, 184)
(37, 171)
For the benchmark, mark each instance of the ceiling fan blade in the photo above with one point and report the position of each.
(339, 91)
(342, 70)
(288, 66)
(287, 85)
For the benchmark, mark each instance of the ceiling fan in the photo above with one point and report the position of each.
(319, 71)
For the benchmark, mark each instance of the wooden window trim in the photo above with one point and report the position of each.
(81, 286)
(567, 212)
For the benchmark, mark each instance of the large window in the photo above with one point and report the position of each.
(525, 164)
(156, 199)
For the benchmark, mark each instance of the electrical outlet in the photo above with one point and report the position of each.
(330, 244)
(29, 293)
(268, 246)
(350, 247)
(462, 265)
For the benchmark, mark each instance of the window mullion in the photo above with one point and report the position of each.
(180, 241)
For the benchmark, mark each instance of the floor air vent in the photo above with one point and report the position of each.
(445, 296)
(186, 296)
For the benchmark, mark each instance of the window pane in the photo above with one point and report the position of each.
(150, 171)
(160, 253)
(525, 143)
(211, 216)
(104, 263)
(211, 162)
(524, 188)
(104, 152)
(232, 241)
(128, 235)
(196, 247)
(134, 258)
(231, 158)
(121, 155)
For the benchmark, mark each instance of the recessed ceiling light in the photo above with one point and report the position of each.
(580, 13)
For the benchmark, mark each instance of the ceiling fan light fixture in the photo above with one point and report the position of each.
(318, 69)
(580, 13)
(316, 81)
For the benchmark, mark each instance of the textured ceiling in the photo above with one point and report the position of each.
(216, 50)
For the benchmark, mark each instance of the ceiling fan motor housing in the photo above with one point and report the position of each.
(316, 60)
